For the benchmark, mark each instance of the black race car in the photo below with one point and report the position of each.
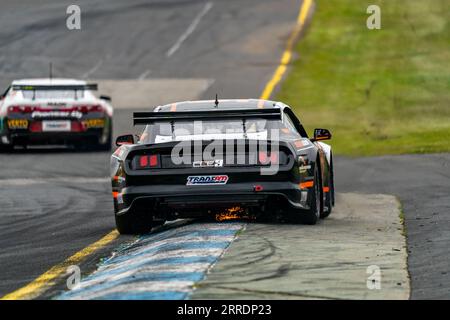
(198, 158)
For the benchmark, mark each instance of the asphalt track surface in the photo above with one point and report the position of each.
(237, 43)
(422, 184)
(56, 202)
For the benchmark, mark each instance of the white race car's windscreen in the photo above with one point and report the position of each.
(212, 129)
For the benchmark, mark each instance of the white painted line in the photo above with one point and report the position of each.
(144, 74)
(144, 286)
(92, 70)
(171, 241)
(169, 262)
(190, 29)
(156, 256)
(217, 226)
(167, 268)
(26, 182)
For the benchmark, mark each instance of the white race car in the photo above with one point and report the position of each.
(54, 111)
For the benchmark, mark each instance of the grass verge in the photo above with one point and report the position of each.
(379, 91)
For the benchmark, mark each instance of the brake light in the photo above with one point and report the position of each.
(28, 109)
(96, 108)
(143, 161)
(82, 109)
(88, 108)
(15, 109)
(264, 159)
(20, 109)
(153, 160)
(147, 161)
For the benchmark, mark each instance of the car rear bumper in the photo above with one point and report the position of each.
(181, 197)
(53, 138)
(34, 133)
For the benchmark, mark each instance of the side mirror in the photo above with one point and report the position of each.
(125, 139)
(107, 98)
(321, 134)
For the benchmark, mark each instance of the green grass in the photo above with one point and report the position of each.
(379, 91)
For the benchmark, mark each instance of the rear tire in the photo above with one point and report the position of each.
(311, 216)
(134, 222)
(104, 147)
(6, 148)
(108, 145)
(328, 205)
(329, 197)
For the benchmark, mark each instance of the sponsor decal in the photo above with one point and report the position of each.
(304, 169)
(57, 114)
(206, 180)
(119, 198)
(208, 164)
(55, 126)
(94, 123)
(17, 123)
(56, 104)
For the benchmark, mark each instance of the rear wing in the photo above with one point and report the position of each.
(92, 86)
(215, 114)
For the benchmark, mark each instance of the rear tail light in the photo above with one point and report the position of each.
(96, 108)
(88, 108)
(153, 160)
(30, 109)
(83, 109)
(21, 109)
(146, 161)
(15, 109)
(143, 161)
(264, 158)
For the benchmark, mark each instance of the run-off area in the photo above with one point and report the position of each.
(357, 253)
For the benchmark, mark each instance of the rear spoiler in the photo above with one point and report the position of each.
(219, 114)
(92, 86)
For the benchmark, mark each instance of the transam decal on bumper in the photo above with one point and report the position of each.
(206, 180)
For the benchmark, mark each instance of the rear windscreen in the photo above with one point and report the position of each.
(52, 94)
(212, 129)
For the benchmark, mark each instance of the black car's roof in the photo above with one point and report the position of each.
(223, 104)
